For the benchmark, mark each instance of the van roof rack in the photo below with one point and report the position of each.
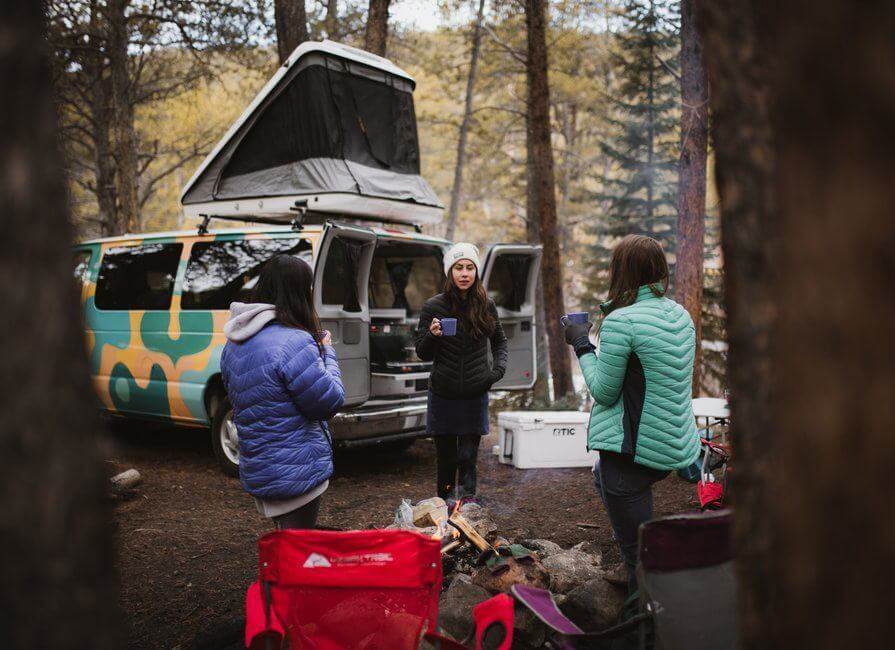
(297, 222)
(303, 216)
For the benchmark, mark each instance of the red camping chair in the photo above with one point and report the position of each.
(711, 487)
(364, 590)
(371, 589)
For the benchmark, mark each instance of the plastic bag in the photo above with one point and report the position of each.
(404, 516)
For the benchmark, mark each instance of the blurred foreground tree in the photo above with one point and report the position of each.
(57, 587)
(690, 240)
(802, 130)
(292, 26)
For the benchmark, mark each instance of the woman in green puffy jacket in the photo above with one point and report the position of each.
(642, 420)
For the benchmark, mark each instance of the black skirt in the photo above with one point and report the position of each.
(455, 417)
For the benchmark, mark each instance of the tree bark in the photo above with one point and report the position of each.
(541, 389)
(291, 21)
(457, 189)
(802, 128)
(542, 177)
(128, 212)
(100, 121)
(331, 22)
(376, 36)
(57, 587)
(739, 73)
(691, 178)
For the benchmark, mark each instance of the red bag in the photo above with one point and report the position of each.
(494, 623)
(370, 589)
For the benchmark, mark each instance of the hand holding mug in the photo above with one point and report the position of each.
(327, 338)
(435, 327)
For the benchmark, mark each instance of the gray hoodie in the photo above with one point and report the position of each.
(246, 320)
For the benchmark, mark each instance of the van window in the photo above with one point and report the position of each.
(138, 277)
(404, 275)
(221, 272)
(340, 274)
(82, 265)
(508, 282)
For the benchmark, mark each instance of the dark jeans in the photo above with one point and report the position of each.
(626, 489)
(457, 455)
(300, 518)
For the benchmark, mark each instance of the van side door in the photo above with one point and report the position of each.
(510, 276)
(341, 276)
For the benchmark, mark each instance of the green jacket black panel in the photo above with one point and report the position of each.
(461, 367)
(641, 383)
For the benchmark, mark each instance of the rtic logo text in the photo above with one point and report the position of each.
(316, 561)
(563, 431)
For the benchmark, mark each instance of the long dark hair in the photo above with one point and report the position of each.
(471, 309)
(286, 282)
(636, 260)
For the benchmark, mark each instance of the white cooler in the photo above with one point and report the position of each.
(543, 439)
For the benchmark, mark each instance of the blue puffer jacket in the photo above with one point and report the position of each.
(282, 390)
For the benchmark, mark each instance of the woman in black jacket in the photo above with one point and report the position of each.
(462, 371)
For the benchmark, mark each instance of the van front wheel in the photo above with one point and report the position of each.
(224, 436)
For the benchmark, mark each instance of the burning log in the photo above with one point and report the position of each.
(466, 530)
(447, 548)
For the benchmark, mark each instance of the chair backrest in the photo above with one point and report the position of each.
(687, 580)
(371, 589)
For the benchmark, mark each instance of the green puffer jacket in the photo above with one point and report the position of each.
(641, 383)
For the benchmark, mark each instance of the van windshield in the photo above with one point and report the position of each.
(404, 275)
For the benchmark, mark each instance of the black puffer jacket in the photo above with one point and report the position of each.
(461, 369)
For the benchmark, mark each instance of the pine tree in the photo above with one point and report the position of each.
(639, 195)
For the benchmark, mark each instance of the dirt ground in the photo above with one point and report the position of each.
(186, 539)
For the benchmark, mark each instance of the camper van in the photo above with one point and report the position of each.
(326, 160)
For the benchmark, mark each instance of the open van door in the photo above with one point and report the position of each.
(341, 274)
(510, 276)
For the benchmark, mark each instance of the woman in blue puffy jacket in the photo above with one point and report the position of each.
(283, 381)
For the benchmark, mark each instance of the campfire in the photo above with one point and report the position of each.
(477, 563)
(454, 531)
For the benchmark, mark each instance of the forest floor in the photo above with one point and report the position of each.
(186, 540)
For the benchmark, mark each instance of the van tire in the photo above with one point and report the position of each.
(223, 438)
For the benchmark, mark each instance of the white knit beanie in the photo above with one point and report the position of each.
(461, 251)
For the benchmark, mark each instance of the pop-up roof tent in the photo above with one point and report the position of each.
(333, 131)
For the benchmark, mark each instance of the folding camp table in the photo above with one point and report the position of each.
(713, 411)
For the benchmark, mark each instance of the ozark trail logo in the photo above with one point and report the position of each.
(316, 561)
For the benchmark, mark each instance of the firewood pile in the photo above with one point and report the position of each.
(478, 562)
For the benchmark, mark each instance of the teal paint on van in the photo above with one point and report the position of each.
(129, 397)
(196, 331)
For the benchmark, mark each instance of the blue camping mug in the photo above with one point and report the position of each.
(575, 317)
(448, 326)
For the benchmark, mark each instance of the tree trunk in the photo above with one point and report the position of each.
(128, 213)
(292, 26)
(739, 73)
(802, 128)
(545, 194)
(376, 36)
(541, 389)
(331, 22)
(691, 178)
(101, 119)
(457, 189)
(56, 579)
